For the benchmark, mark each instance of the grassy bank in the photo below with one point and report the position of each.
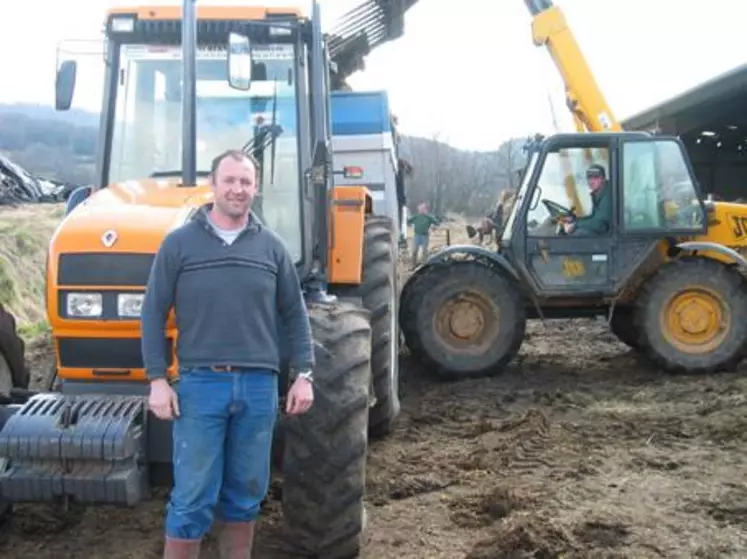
(24, 236)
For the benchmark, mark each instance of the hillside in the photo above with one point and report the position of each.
(61, 146)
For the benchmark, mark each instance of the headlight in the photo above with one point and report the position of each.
(129, 304)
(84, 305)
(123, 24)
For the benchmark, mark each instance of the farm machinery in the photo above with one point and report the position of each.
(182, 84)
(666, 271)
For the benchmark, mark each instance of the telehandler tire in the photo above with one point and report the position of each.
(379, 291)
(690, 316)
(324, 463)
(13, 371)
(410, 301)
(470, 318)
(623, 327)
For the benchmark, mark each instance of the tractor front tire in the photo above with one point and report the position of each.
(324, 464)
(690, 316)
(470, 318)
(379, 292)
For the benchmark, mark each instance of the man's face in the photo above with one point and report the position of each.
(234, 187)
(595, 181)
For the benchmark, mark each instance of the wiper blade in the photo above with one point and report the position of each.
(262, 140)
(266, 136)
(175, 173)
(274, 137)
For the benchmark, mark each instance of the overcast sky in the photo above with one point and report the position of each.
(472, 76)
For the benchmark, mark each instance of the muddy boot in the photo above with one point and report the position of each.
(181, 549)
(235, 539)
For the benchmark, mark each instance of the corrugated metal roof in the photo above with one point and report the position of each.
(728, 84)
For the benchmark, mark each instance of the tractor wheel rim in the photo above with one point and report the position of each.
(696, 320)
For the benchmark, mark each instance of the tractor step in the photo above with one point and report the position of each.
(90, 449)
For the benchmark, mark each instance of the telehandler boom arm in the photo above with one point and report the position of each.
(583, 96)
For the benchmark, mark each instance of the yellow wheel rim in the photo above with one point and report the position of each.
(696, 321)
(468, 322)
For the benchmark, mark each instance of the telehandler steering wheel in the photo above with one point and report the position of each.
(560, 214)
(557, 212)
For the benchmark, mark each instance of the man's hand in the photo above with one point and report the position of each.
(300, 397)
(569, 227)
(163, 401)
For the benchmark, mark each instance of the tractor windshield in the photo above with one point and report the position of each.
(147, 124)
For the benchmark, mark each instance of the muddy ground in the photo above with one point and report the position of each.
(579, 449)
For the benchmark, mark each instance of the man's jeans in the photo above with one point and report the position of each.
(419, 241)
(222, 441)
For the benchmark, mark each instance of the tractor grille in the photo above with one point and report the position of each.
(105, 353)
(104, 269)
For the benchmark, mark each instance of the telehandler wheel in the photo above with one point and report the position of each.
(324, 465)
(409, 303)
(13, 371)
(690, 316)
(623, 328)
(379, 292)
(471, 319)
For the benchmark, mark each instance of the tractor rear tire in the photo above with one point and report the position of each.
(379, 292)
(470, 318)
(324, 465)
(690, 316)
(13, 371)
(623, 327)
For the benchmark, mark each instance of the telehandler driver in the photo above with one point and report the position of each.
(598, 221)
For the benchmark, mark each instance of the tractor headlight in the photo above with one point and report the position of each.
(123, 24)
(84, 305)
(129, 305)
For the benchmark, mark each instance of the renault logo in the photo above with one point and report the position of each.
(109, 238)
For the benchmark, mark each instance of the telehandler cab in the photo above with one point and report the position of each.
(200, 71)
(667, 272)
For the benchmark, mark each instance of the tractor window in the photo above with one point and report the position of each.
(146, 137)
(658, 191)
(562, 187)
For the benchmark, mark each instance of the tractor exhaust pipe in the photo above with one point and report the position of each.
(189, 78)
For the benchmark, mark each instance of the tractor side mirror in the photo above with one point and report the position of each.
(239, 61)
(65, 85)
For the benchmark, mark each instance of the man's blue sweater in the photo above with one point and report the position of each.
(232, 302)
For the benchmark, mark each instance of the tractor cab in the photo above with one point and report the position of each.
(592, 206)
(254, 68)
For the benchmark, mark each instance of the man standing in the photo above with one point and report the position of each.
(235, 290)
(421, 223)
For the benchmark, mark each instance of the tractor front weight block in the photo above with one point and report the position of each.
(88, 449)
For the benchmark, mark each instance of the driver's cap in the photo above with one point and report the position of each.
(595, 171)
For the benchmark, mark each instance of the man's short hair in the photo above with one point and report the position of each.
(236, 154)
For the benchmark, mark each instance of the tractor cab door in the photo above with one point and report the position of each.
(569, 238)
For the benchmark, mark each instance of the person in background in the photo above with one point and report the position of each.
(421, 223)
